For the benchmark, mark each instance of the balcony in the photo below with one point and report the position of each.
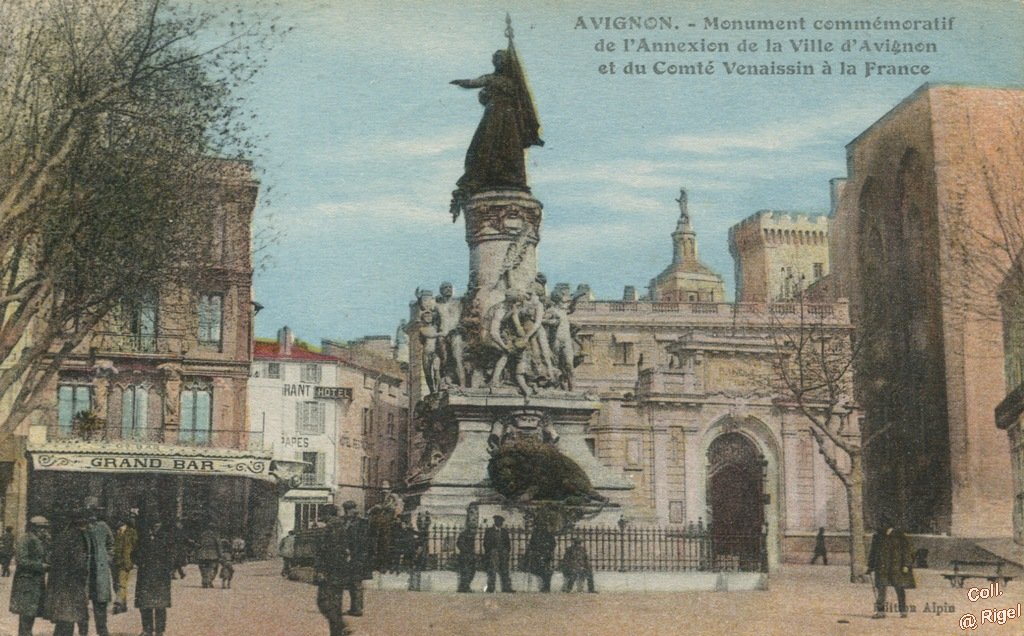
(169, 344)
(214, 438)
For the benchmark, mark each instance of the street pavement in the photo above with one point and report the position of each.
(800, 601)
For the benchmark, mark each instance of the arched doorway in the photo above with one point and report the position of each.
(736, 473)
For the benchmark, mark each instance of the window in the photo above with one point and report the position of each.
(819, 270)
(196, 412)
(142, 323)
(391, 425)
(586, 348)
(313, 471)
(364, 470)
(274, 370)
(366, 422)
(310, 418)
(633, 451)
(676, 512)
(71, 400)
(134, 411)
(310, 373)
(624, 353)
(211, 314)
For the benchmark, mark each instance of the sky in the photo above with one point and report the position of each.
(362, 138)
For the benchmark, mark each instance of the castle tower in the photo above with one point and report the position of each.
(686, 279)
(776, 254)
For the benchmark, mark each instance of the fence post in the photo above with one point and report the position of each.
(622, 544)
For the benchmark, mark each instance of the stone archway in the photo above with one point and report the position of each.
(735, 494)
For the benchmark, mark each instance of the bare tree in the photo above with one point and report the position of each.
(814, 360)
(111, 115)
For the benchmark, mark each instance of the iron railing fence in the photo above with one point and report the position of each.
(217, 438)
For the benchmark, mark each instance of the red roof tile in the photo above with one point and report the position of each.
(270, 350)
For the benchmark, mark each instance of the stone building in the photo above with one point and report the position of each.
(1010, 412)
(374, 431)
(686, 279)
(167, 382)
(340, 410)
(921, 188)
(777, 253)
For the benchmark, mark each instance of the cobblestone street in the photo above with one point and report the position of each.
(801, 601)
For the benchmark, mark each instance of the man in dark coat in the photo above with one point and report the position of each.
(208, 555)
(154, 558)
(497, 550)
(576, 567)
(891, 558)
(819, 548)
(332, 573)
(101, 551)
(67, 588)
(28, 590)
(359, 555)
(6, 551)
(540, 555)
(466, 560)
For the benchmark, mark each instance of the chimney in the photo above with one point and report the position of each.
(285, 340)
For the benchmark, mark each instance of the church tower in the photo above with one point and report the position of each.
(686, 279)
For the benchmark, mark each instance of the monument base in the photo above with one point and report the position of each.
(460, 480)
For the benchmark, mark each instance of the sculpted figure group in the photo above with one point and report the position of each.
(527, 340)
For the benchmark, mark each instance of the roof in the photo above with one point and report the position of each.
(271, 350)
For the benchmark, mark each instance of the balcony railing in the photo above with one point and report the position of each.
(832, 312)
(216, 438)
(156, 344)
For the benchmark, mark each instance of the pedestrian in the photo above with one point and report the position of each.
(287, 551)
(126, 541)
(155, 560)
(540, 555)
(6, 551)
(497, 551)
(101, 552)
(891, 559)
(28, 589)
(819, 548)
(67, 586)
(576, 567)
(208, 555)
(183, 545)
(237, 550)
(466, 560)
(227, 567)
(359, 555)
(331, 570)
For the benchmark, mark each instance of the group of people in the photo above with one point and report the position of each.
(84, 563)
(538, 559)
(341, 562)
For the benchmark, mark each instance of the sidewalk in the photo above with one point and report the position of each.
(801, 601)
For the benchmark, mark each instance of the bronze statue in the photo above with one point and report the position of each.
(495, 158)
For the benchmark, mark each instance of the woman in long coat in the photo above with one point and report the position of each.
(28, 590)
(154, 558)
(67, 588)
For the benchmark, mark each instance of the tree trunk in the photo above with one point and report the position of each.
(855, 506)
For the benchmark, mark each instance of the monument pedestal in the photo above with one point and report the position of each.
(462, 479)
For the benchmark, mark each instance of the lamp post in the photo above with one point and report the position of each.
(622, 543)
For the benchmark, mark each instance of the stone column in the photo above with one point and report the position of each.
(502, 230)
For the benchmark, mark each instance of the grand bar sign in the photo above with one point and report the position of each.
(255, 467)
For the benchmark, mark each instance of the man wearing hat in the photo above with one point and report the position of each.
(28, 590)
(67, 587)
(497, 549)
(331, 570)
(357, 535)
(101, 552)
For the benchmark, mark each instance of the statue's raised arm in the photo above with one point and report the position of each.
(495, 159)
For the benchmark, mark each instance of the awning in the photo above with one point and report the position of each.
(141, 458)
(307, 495)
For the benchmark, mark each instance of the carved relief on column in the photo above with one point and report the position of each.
(170, 373)
(503, 216)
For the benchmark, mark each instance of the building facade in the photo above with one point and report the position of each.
(165, 385)
(921, 188)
